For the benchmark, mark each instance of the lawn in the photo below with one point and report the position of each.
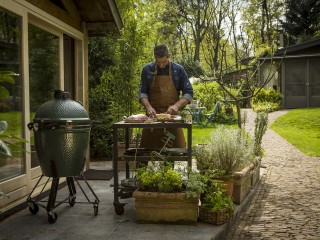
(202, 134)
(301, 127)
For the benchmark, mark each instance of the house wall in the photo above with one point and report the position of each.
(46, 16)
(269, 74)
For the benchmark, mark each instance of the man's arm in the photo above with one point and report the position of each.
(173, 109)
(149, 109)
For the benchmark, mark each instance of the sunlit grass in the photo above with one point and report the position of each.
(301, 127)
(201, 135)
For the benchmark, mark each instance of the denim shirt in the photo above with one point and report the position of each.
(179, 77)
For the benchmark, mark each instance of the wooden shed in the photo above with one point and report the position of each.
(295, 72)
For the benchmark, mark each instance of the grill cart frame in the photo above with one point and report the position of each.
(35, 203)
(125, 192)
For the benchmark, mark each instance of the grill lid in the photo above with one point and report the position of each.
(61, 109)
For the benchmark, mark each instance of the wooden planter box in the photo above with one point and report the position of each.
(244, 180)
(155, 207)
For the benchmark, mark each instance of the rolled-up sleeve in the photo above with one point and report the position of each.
(185, 85)
(143, 87)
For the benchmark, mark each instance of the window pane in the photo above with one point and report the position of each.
(295, 90)
(43, 71)
(296, 71)
(10, 94)
(314, 70)
(315, 90)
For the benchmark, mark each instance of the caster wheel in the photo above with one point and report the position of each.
(72, 201)
(52, 217)
(119, 209)
(33, 207)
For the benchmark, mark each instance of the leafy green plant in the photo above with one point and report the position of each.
(193, 68)
(261, 125)
(202, 156)
(215, 197)
(162, 177)
(208, 94)
(5, 77)
(266, 100)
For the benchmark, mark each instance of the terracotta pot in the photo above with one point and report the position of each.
(228, 184)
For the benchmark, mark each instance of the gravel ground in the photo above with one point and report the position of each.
(287, 204)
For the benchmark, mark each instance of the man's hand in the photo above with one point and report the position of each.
(173, 109)
(149, 109)
(151, 112)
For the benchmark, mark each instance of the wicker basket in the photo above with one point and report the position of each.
(217, 218)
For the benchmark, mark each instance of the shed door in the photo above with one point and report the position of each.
(314, 83)
(295, 87)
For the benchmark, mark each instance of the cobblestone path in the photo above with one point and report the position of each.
(287, 203)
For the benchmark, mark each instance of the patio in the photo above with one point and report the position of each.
(79, 222)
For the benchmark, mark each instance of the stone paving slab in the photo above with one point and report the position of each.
(78, 222)
(286, 206)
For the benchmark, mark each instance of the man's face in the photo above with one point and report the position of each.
(162, 62)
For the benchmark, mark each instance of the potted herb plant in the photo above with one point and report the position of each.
(216, 206)
(166, 194)
(227, 152)
(234, 157)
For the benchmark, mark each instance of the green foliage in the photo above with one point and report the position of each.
(227, 151)
(193, 68)
(5, 77)
(43, 66)
(301, 127)
(215, 197)
(114, 68)
(261, 125)
(162, 177)
(101, 133)
(301, 19)
(159, 178)
(101, 139)
(208, 94)
(10, 130)
(261, 29)
(102, 55)
(266, 100)
(194, 182)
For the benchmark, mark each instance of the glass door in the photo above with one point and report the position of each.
(44, 72)
(11, 113)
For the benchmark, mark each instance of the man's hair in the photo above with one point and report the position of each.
(161, 50)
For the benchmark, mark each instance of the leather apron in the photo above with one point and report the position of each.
(162, 94)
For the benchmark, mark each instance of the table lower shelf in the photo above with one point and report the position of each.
(149, 158)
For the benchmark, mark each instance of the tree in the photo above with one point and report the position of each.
(198, 14)
(261, 24)
(302, 20)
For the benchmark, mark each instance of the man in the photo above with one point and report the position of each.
(164, 88)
